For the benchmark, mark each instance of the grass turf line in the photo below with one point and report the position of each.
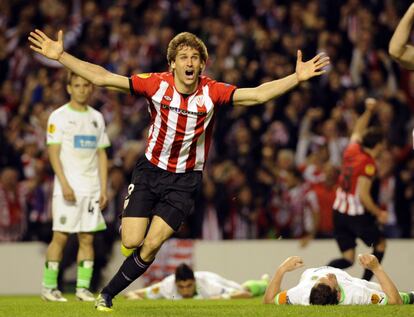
(33, 306)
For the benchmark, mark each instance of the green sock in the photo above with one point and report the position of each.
(50, 274)
(84, 274)
(256, 287)
(405, 298)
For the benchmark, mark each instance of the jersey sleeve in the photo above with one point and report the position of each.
(298, 295)
(370, 297)
(153, 291)
(103, 141)
(54, 129)
(351, 149)
(368, 168)
(281, 298)
(222, 93)
(145, 84)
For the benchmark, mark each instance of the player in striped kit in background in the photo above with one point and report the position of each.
(182, 106)
(355, 214)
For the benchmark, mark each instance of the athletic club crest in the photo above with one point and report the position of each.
(199, 100)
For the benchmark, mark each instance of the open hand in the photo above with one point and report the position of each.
(311, 68)
(42, 44)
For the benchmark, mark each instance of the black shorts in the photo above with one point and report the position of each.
(154, 191)
(348, 228)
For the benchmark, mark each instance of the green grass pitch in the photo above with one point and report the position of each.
(33, 306)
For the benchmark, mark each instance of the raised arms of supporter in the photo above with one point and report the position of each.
(275, 88)
(290, 264)
(399, 49)
(96, 74)
(54, 152)
(370, 262)
(363, 121)
(364, 190)
(305, 134)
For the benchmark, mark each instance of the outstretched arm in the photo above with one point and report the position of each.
(233, 295)
(290, 264)
(136, 294)
(150, 292)
(398, 48)
(370, 262)
(96, 74)
(275, 88)
(103, 177)
(363, 121)
(364, 186)
(54, 157)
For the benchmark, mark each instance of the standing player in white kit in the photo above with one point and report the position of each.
(76, 140)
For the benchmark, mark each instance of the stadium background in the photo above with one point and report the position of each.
(267, 162)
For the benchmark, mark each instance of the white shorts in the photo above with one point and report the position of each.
(82, 216)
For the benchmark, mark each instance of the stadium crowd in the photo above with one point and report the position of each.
(272, 171)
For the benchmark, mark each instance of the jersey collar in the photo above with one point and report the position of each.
(341, 289)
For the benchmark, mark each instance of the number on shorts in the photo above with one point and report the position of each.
(91, 207)
(130, 190)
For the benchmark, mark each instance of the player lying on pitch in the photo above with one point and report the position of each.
(331, 286)
(186, 283)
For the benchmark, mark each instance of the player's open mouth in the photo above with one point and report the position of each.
(189, 74)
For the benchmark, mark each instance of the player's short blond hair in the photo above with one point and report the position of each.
(186, 39)
(70, 76)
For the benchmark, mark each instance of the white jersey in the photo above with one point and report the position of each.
(208, 285)
(80, 135)
(354, 291)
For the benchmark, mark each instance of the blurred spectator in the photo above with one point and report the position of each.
(386, 186)
(241, 223)
(210, 211)
(13, 197)
(406, 196)
(320, 199)
(39, 204)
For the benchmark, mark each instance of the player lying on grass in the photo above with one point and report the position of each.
(331, 286)
(186, 283)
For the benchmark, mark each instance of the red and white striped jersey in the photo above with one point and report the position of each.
(355, 163)
(181, 126)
